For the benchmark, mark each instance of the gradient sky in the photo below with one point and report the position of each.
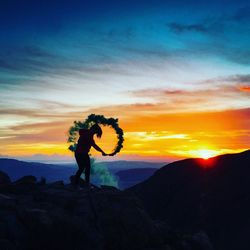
(175, 73)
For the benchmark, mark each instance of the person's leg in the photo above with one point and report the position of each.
(80, 163)
(87, 169)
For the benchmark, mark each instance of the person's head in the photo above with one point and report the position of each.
(96, 129)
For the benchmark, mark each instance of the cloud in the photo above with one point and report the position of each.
(208, 26)
(245, 88)
(242, 81)
(30, 63)
(37, 113)
(216, 96)
(156, 136)
(214, 24)
(221, 35)
(36, 132)
(234, 82)
(3, 156)
(242, 14)
(239, 78)
(31, 60)
(179, 28)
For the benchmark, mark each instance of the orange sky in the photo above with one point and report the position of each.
(149, 136)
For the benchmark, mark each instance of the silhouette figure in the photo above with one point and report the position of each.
(85, 142)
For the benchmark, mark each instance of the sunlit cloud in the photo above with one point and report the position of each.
(245, 88)
(154, 136)
(202, 98)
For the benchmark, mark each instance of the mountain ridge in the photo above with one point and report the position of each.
(196, 194)
(52, 172)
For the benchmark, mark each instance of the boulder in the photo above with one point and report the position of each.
(4, 178)
(42, 181)
(35, 218)
(82, 182)
(7, 245)
(28, 179)
(6, 202)
(202, 241)
(112, 188)
(57, 184)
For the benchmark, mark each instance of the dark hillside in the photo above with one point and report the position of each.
(211, 195)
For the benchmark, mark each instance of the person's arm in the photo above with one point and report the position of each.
(98, 149)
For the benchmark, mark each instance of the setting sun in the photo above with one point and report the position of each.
(205, 153)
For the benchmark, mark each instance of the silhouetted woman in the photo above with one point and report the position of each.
(85, 142)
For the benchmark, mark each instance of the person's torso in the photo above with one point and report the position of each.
(85, 141)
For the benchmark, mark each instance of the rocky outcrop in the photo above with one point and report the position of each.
(55, 216)
(29, 179)
(4, 178)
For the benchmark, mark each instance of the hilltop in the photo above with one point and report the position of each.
(203, 195)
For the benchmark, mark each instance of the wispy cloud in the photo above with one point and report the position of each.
(211, 25)
(245, 88)
(217, 96)
(179, 28)
(224, 35)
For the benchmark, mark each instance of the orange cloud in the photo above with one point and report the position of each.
(244, 88)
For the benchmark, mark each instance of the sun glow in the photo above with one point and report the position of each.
(205, 153)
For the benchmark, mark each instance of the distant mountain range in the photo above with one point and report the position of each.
(16, 169)
(203, 195)
(130, 177)
(52, 172)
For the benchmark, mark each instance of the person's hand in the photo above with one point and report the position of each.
(104, 154)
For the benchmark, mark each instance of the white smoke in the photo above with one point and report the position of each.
(100, 172)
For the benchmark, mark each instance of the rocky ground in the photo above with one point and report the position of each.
(39, 216)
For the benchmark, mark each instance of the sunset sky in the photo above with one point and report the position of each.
(175, 73)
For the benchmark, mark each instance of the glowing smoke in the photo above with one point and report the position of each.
(102, 174)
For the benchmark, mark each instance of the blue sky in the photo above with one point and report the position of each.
(61, 59)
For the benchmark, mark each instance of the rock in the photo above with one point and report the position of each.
(26, 184)
(7, 245)
(201, 241)
(57, 184)
(4, 178)
(124, 223)
(28, 179)
(105, 187)
(11, 227)
(3, 230)
(81, 181)
(35, 218)
(42, 181)
(6, 202)
(165, 247)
